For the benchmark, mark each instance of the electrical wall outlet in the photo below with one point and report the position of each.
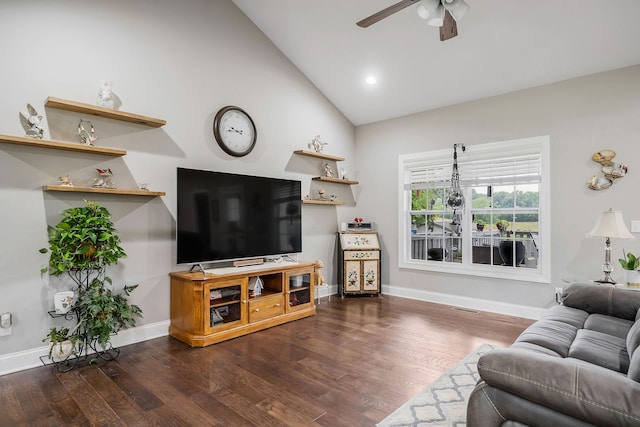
(6, 324)
(559, 295)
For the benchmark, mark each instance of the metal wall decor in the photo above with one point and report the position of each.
(455, 199)
(609, 171)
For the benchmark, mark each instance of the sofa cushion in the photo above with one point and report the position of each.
(572, 387)
(569, 315)
(600, 349)
(602, 299)
(552, 334)
(633, 338)
(522, 345)
(608, 325)
(634, 367)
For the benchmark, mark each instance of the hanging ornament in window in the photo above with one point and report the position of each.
(455, 199)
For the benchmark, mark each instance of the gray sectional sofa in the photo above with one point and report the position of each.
(579, 365)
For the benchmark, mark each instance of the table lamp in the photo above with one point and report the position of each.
(610, 224)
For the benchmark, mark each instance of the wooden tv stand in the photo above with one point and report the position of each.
(210, 307)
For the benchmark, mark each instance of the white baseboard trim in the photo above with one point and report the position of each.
(465, 302)
(27, 359)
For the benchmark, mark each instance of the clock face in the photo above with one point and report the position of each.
(234, 131)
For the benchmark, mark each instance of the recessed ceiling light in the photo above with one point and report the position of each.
(371, 80)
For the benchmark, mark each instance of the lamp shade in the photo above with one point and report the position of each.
(610, 224)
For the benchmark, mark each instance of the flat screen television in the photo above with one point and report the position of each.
(224, 216)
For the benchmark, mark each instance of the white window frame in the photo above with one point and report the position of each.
(541, 274)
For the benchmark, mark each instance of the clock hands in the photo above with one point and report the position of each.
(232, 129)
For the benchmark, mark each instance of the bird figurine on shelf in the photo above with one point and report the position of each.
(31, 123)
(328, 172)
(316, 144)
(88, 137)
(104, 180)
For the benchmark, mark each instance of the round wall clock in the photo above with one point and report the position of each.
(234, 131)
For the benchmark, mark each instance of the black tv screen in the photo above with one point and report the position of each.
(224, 216)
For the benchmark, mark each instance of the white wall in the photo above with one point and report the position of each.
(179, 61)
(582, 116)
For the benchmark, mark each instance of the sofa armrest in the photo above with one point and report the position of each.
(569, 386)
(602, 299)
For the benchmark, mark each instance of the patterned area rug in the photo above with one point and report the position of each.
(443, 403)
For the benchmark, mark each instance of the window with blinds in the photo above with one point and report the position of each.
(501, 231)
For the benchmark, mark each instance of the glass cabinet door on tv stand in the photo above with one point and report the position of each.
(225, 308)
(299, 289)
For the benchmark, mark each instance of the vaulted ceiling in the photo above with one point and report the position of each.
(502, 46)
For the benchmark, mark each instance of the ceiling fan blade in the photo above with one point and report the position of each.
(378, 16)
(449, 28)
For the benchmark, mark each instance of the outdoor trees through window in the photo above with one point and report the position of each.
(501, 226)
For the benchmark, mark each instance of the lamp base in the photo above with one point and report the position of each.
(606, 280)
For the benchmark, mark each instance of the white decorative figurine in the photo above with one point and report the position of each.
(328, 172)
(88, 137)
(105, 96)
(65, 181)
(31, 123)
(343, 173)
(316, 144)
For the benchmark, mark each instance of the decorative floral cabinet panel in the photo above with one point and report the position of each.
(359, 263)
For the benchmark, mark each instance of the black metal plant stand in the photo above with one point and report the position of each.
(83, 347)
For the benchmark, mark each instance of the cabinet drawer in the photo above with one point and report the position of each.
(361, 255)
(265, 307)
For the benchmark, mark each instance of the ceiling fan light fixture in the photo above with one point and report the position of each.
(426, 8)
(457, 8)
(437, 17)
(422, 10)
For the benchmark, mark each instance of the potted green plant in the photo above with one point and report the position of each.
(479, 224)
(82, 245)
(84, 240)
(62, 343)
(503, 225)
(106, 312)
(630, 264)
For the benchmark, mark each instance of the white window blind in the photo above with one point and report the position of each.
(499, 163)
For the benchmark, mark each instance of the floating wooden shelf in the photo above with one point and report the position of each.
(65, 188)
(58, 145)
(319, 155)
(321, 202)
(79, 107)
(336, 180)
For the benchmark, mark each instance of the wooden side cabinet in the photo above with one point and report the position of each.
(217, 305)
(358, 263)
(362, 272)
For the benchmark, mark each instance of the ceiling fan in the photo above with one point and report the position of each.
(437, 13)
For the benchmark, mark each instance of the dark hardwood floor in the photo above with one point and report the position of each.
(352, 364)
